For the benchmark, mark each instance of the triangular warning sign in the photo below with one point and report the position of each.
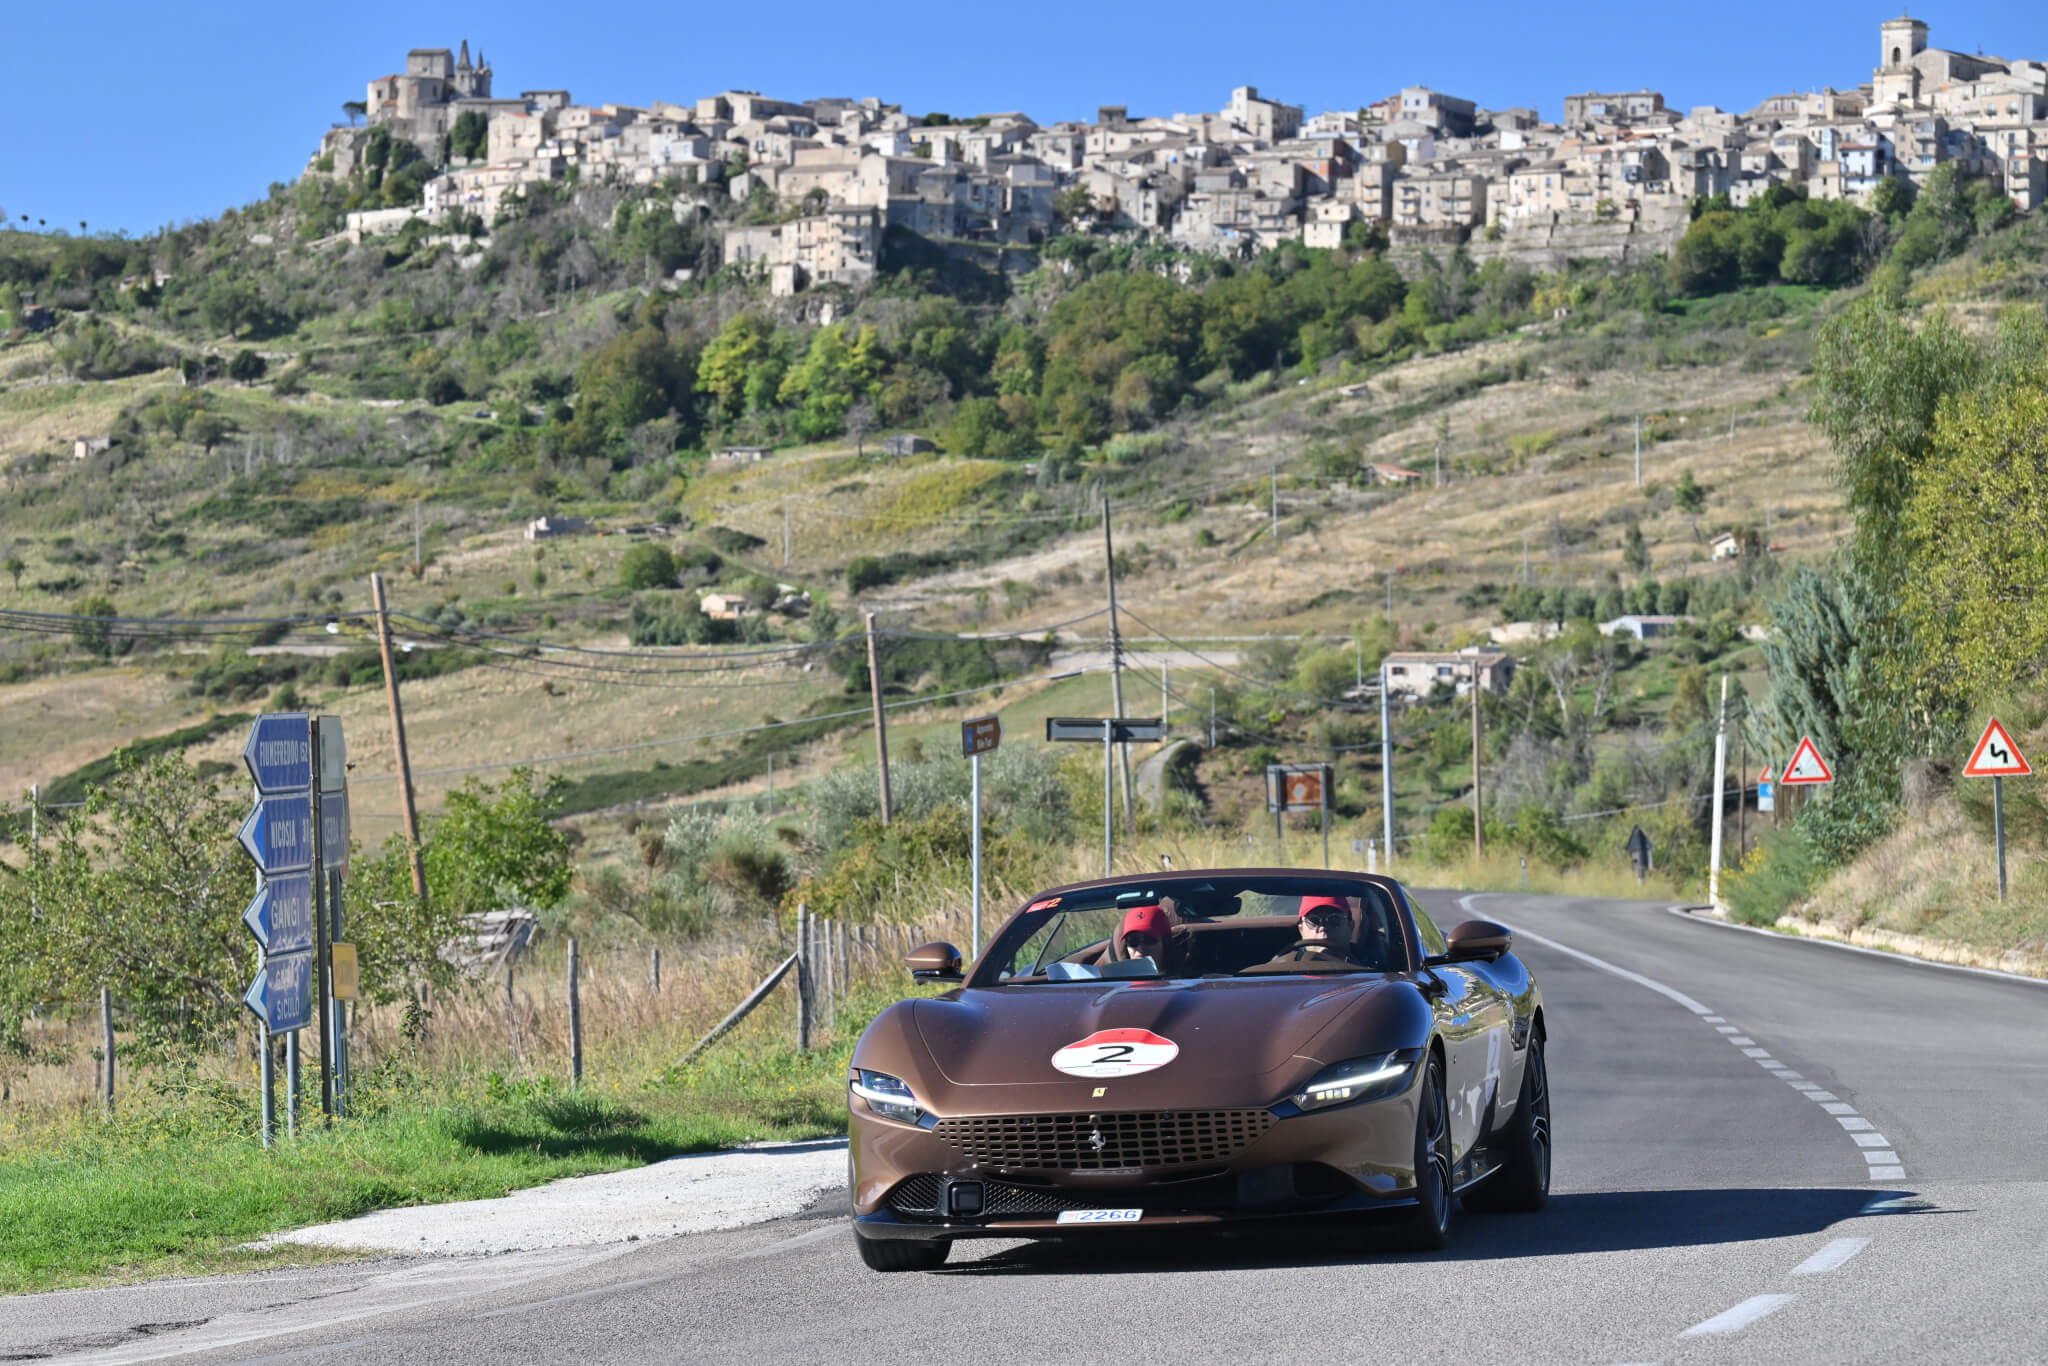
(1807, 766)
(1764, 776)
(1997, 756)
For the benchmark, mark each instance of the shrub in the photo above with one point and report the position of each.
(647, 566)
(1775, 878)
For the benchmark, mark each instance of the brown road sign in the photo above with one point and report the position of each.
(981, 735)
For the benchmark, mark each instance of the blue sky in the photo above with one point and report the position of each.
(130, 115)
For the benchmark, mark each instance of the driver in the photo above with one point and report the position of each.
(1145, 933)
(1324, 935)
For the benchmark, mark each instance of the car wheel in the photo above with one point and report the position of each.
(1427, 1226)
(897, 1254)
(1522, 1184)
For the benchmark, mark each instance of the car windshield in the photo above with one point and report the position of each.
(1200, 926)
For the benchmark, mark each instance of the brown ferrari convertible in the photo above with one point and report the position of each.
(1200, 1050)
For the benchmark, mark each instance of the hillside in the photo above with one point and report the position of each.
(411, 397)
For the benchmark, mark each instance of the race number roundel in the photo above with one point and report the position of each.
(1116, 1053)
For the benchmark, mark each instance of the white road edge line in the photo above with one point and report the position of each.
(1687, 913)
(1740, 1317)
(1836, 1252)
(1671, 992)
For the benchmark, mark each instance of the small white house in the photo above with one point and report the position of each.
(1642, 627)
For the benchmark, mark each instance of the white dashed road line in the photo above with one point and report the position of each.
(1740, 1317)
(1834, 1254)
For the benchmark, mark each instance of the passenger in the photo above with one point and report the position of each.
(1146, 933)
(1324, 935)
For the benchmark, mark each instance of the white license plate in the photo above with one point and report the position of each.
(1101, 1216)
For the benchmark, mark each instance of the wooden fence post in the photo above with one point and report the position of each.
(803, 977)
(575, 1022)
(654, 970)
(107, 1047)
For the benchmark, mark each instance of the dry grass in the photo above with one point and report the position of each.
(1935, 880)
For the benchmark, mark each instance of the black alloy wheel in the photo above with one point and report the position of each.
(1428, 1223)
(1522, 1185)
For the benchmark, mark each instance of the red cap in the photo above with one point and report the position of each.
(1322, 903)
(1146, 920)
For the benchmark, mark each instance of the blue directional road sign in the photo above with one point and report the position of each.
(279, 752)
(279, 833)
(282, 994)
(281, 915)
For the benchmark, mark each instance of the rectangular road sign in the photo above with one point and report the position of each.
(334, 827)
(279, 833)
(984, 733)
(282, 994)
(333, 755)
(347, 973)
(279, 752)
(281, 915)
(1128, 730)
(1298, 787)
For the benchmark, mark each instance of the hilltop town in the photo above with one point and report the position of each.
(1614, 177)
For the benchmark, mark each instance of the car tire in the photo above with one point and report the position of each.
(897, 1254)
(1426, 1226)
(1522, 1185)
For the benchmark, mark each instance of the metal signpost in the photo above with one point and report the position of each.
(1639, 853)
(1110, 731)
(1300, 787)
(330, 851)
(1997, 758)
(1766, 791)
(278, 835)
(299, 817)
(978, 737)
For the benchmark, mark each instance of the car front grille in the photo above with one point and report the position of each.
(1104, 1142)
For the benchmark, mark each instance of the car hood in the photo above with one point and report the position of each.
(1236, 1041)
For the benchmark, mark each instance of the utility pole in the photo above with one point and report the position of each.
(1639, 450)
(408, 813)
(1212, 718)
(1525, 557)
(881, 721)
(1741, 796)
(35, 822)
(1390, 597)
(1478, 811)
(1386, 768)
(1439, 464)
(1276, 507)
(418, 559)
(785, 533)
(1116, 668)
(1165, 704)
(1358, 661)
(1720, 797)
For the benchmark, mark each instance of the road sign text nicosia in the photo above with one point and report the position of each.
(279, 833)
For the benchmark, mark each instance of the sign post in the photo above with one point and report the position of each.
(1766, 799)
(1640, 853)
(978, 737)
(1111, 731)
(278, 837)
(1301, 787)
(1997, 758)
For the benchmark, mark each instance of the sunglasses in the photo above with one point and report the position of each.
(1327, 919)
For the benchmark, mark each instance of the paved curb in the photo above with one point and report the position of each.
(1693, 913)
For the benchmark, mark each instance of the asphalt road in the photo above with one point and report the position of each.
(1767, 1150)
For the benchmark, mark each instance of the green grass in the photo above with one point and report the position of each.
(177, 1182)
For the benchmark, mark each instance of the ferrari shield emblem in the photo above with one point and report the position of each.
(1116, 1053)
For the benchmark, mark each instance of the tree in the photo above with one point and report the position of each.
(353, 110)
(207, 429)
(647, 566)
(247, 367)
(1635, 551)
(1689, 497)
(1977, 526)
(469, 137)
(14, 565)
(93, 630)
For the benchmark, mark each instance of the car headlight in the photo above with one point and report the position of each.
(1380, 1074)
(886, 1096)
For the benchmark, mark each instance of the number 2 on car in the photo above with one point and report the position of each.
(1116, 1053)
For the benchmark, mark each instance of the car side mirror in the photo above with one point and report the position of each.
(1481, 941)
(936, 962)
